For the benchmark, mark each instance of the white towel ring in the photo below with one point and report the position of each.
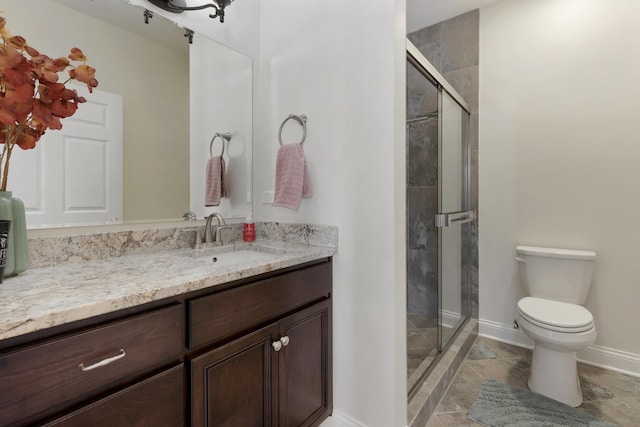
(300, 118)
(224, 137)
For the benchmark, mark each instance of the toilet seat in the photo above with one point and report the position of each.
(555, 315)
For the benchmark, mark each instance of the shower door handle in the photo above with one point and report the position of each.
(448, 219)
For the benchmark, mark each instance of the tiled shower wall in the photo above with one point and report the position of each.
(452, 48)
(422, 195)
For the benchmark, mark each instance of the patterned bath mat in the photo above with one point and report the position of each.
(502, 405)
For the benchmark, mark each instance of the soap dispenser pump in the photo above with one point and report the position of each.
(249, 229)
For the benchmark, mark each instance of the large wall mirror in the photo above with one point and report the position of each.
(165, 97)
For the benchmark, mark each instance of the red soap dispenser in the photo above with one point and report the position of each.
(249, 229)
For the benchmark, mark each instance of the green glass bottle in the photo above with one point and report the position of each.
(18, 253)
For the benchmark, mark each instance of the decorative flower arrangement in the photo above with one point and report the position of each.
(32, 98)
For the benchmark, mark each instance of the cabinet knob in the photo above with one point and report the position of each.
(277, 345)
(285, 341)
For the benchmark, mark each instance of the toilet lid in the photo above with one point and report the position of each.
(555, 315)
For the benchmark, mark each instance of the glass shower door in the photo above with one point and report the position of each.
(453, 219)
(438, 223)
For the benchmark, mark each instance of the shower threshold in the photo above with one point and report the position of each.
(431, 386)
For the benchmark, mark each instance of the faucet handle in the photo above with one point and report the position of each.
(198, 240)
(189, 216)
(218, 235)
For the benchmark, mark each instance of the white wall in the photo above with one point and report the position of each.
(342, 64)
(559, 155)
(221, 100)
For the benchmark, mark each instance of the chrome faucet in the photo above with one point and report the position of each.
(215, 237)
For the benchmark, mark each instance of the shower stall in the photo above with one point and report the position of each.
(438, 215)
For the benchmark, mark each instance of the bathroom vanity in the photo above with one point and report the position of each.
(236, 344)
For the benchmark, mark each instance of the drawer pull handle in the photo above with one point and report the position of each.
(104, 362)
(277, 345)
(285, 341)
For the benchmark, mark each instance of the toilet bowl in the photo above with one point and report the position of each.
(557, 281)
(558, 331)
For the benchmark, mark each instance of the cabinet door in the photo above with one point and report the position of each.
(236, 385)
(305, 367)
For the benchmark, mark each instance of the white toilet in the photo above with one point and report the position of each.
(557, 282)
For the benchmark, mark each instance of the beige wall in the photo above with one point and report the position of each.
(154, 83)
(559, 156)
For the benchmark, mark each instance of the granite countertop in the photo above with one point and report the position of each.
(45, 297)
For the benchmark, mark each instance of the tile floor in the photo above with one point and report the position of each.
(609, 395)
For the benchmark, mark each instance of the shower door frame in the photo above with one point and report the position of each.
(449, 221)
(417, 59)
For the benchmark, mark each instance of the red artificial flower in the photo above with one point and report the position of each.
(32, 97)
(85, 74)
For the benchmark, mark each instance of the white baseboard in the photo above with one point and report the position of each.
(504, 333)
(338, 419)
(450, 318)
(609, 358)
(603, 357)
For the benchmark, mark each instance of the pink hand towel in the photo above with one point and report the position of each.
(216, 185)
(292, 177)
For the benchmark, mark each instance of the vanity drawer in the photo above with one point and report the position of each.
(157, 402)
(228, 313)
(41, 379)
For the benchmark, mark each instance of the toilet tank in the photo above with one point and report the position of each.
(556, 274)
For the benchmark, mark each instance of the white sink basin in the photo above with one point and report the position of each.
(242, 256)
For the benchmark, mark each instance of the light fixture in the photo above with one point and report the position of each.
(179, 6)
(189, 35)
(147, 15)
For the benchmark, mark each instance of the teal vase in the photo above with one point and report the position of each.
(12, 209)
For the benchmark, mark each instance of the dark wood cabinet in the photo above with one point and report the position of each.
(279, 375)
(155, 402)
(305, 396)
(255, 352)
(39, 380)
(234, 385)
(230, 313)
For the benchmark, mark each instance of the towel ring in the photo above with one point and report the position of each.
(300, 118)
(224, 136)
